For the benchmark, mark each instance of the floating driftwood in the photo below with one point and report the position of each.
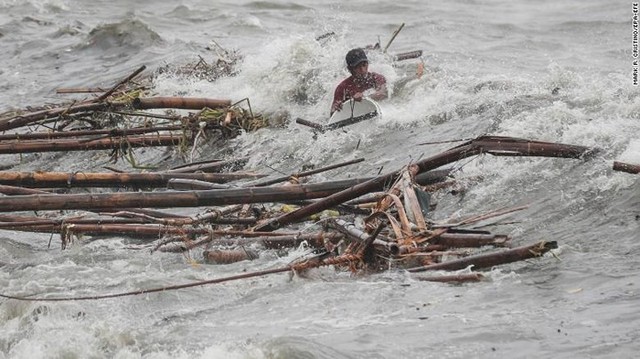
(110, 143)
(626, 167)
(492, 259)
(198, 198)
(116, 132)
(184, 103)
(90, 179)
(361, 225)
(175, 199)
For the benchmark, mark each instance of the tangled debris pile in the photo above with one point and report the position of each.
(363, 224)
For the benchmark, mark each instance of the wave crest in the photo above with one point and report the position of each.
(129, 33)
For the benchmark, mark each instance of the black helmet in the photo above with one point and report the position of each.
(355, 57)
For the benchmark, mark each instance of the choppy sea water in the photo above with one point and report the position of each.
(491, 67)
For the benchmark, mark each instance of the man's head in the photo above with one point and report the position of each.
(355, 57)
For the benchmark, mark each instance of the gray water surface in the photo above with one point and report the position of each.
(491, 68)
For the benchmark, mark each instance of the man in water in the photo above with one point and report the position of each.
(360, 81)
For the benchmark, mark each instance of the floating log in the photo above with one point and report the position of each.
(311, 124)
(89, 179)
(185, 103)
(131, 230)
(116, 132)
(38, 224)
(626, 167)
(142, 231)
(407, 55)
(173, 199)
(97, 144)
(56, 224)
(182, 198)
(492, 259)
(485, 144)
(470, 240)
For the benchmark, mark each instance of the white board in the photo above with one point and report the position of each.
(352, 108)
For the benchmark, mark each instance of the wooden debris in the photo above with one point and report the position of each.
(368, 224)
(626, 167)
(89, 179)
(492, 259)
(219, 256)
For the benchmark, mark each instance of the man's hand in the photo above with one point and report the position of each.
(337, 106)
(358, 96)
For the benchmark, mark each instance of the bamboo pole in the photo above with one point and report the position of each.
(626, 167)
(90, 179)
(173, 199)
(116, 132)
(492, 259)
(185, 103)
(470, 240)
(197, 198)
(407, 55)
(393, 37)
(131, 230)
(97, 144)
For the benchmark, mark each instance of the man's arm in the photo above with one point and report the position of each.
(381, 92)
(338, 98)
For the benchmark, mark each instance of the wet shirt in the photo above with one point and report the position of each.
(350, 86)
